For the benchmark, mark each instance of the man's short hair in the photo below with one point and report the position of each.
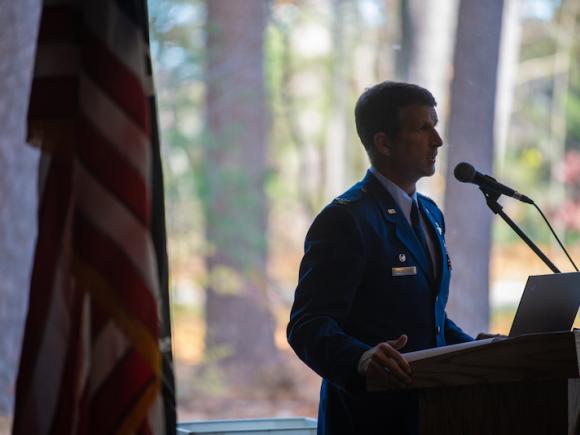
(377, 109)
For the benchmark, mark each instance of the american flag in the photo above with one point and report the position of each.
(96, 353)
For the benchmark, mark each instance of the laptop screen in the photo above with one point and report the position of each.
(549, 303)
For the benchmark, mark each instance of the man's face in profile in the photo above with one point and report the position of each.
(414, 149)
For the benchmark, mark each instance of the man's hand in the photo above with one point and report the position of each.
(384, 364)
(484, 335)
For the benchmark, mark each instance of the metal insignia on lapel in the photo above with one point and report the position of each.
(402, 258)
(438, 227)
(391, 211)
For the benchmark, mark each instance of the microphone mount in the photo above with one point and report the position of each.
(491, 198)
(466, 173)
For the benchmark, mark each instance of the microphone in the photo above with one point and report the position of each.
(466, 173)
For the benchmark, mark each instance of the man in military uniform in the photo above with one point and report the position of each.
(375, 275)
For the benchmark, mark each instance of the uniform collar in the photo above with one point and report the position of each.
(402, 198)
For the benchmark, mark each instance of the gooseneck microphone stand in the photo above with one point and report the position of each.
(491, 198)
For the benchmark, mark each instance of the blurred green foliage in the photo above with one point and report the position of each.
(545, 123)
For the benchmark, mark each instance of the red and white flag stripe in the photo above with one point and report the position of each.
(91, 360)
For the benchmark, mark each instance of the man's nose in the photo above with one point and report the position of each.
(437, 141)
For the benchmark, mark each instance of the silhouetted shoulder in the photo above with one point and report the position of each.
(356, 199)
(426, 198)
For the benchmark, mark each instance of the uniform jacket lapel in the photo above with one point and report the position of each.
(438, 242)
(393, 215)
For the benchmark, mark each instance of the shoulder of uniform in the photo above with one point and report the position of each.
(431, 206)
(341, 200)
(435, 211)
(346, 199)
(351, 196)
(426, 198)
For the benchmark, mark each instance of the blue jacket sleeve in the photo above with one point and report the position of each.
(454, 334)
(330, 273)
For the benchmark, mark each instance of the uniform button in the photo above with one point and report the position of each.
(438, 329)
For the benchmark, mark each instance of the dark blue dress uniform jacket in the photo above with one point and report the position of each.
(348, 300)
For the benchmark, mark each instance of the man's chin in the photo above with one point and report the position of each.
(430, 171)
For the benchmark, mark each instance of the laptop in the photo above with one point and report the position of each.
(549, 303)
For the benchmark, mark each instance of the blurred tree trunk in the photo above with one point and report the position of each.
(335, 151)
(18, 165)
(240, 326)
(432, 26)
(471, 139)
(506, 81)
(407, 36)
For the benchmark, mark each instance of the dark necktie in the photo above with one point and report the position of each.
(416, 224)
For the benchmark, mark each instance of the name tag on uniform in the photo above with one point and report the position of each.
(404, 271)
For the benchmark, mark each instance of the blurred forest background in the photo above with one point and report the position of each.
(256, 103)
(256, 108)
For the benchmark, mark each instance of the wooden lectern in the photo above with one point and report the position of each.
(523, 385)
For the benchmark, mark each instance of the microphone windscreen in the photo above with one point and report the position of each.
(464, 172)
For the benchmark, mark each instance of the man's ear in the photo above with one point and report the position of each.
(382, 143)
